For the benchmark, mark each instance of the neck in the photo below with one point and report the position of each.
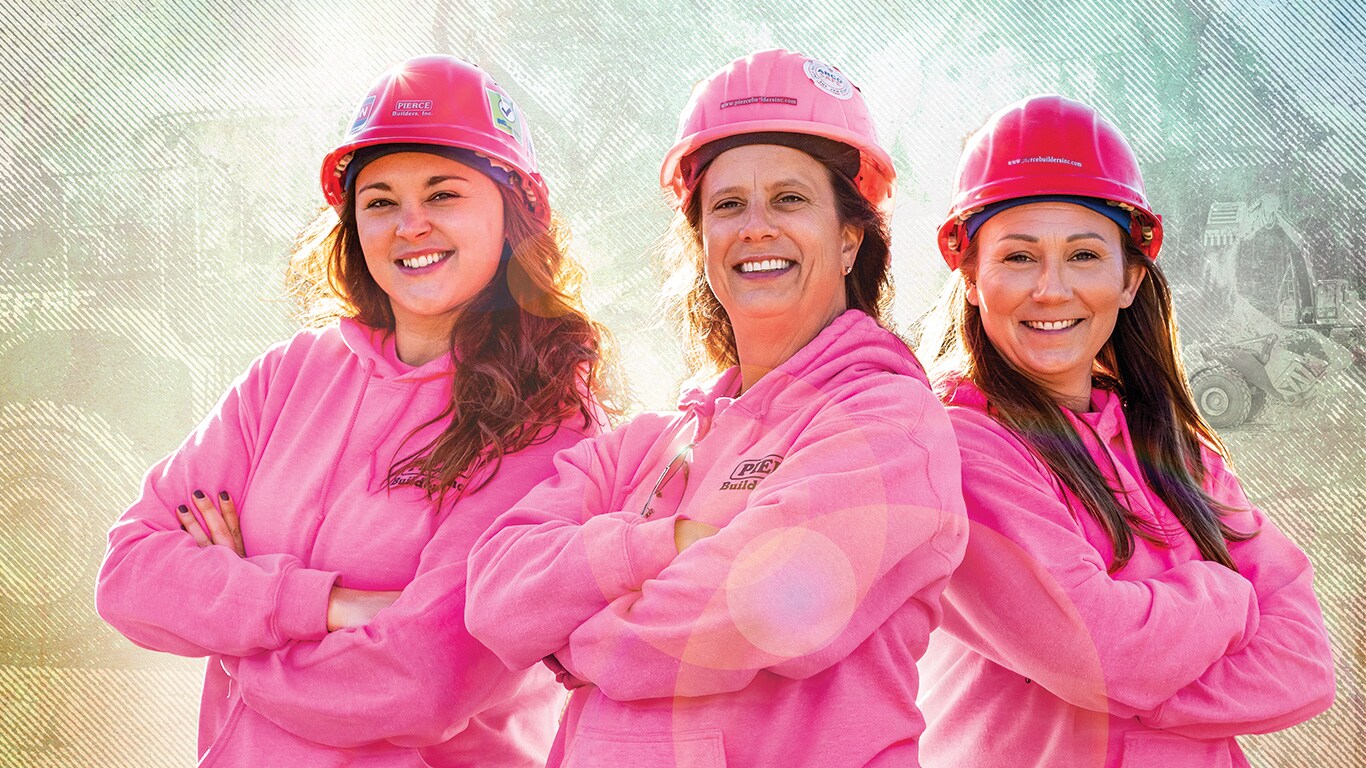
(1075, 398)
(420, 342)
(766, 343)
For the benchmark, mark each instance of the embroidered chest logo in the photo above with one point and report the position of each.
(415, 478)
(749, 472)
(411, 477)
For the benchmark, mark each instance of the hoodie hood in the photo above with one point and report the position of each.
(853, 345)
(377, 349)
(1106, 416)
(955, 390)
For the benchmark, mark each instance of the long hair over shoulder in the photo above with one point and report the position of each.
(529, 356)
(1142, 363)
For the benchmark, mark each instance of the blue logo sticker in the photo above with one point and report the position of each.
(367, 108)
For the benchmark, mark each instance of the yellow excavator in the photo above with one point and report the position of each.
(1317, 324)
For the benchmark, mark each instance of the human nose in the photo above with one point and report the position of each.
(1053, 284)
(758, 223)
(413, 222)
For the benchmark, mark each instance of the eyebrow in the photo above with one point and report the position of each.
(1084, 236)
(431, 182)
(1070, 238)
(779, 183)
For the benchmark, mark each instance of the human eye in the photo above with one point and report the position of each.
(790, 198)
(1085, 256)
(1017, 257)
(377, 203)
(445, 194)
(728, 203)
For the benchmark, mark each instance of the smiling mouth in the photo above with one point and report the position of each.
(426, 260)
(765, 265)
(1051, 325)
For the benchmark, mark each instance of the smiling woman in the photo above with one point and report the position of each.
(1051, 279)
(777, 251)
(351, 467)
(431, 229)
(800, 513)
(1121, 602)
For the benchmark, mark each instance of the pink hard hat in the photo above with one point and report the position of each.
(778, 92)
(1047, 146)
(447, 102)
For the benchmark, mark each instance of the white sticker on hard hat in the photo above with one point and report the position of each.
(505, 116)
(829, 79)
(412, 108)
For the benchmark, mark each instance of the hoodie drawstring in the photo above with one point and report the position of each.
(325, 496)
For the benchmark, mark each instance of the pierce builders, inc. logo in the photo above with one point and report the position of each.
(749, 472)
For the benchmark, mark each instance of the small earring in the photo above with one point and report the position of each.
(848, 269)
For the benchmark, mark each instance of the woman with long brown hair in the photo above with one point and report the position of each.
(350, 469)
(1121, 602)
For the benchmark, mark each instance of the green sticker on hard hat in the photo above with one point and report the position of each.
(829, 79)
(506, 118)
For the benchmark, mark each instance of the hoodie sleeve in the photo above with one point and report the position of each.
(863, 517)
(414, 676)
(1284, 674)
(163, 592)
(1033, 594)
(564, 552)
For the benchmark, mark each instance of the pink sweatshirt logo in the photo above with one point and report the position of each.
(749, 472)
(416, 479)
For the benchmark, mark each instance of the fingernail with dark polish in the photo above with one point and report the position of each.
(198, 494)
(182, 509)
(223, 495)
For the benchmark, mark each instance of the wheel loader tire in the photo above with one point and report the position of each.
(1258, 403)
(1222, 396)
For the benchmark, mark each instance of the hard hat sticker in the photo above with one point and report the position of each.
(367, 108)
(829, 79)
(412, 108)
(505, 115)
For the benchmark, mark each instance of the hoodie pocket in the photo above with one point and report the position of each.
(684, 749)
(1150, 749)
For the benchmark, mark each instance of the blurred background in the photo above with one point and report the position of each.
(156, 161)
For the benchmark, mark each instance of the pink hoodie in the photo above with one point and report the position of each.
(304, 442)
(789, 637)
(1047, 660)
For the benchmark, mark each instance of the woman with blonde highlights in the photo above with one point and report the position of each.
(1121, 603)
(354, 465)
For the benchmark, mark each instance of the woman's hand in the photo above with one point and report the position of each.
(689, 532)
(351, 608)
(224, 528)
(562, 675)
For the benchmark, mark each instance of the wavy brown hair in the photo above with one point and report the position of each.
(529, 355)
(704, 322)
(1142, 363)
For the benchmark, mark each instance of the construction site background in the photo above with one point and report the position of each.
(156, 161)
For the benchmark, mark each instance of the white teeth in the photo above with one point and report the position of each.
(1051, 325)
(422, 261)
(767, 265)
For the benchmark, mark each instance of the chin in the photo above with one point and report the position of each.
(761, 311)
